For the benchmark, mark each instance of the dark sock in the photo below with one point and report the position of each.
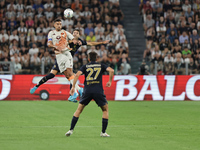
(70, 86)
(104, 124)
(73, 123)
(45, 79)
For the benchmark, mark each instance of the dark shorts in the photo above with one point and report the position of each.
(100, 99)
(55, 67)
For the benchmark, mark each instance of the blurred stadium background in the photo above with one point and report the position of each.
(148, 38)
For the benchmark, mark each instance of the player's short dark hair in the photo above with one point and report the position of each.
(92, 56)
(57, 20)
(77, 30)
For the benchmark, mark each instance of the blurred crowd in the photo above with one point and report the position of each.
(172, 29)
(24, 26)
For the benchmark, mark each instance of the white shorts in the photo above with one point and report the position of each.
(64, 61)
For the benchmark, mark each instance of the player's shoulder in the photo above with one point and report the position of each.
(80, 39)
(65, 31)
(52, 31)
(84, 42)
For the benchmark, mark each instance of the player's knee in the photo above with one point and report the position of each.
(104, 109)
(67, 76)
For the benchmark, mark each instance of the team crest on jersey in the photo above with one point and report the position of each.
(58, 37)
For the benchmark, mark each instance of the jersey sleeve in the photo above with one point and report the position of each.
(103, 67)
(69, 35)
(83, 69)
(50, 36)
(83, 42)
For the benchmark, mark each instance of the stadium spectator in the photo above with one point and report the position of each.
(120, 36)
(192, 67)
(124, 44)
(168, 58)
(125, 67)
(189, 13)
(114, 65)
(186, 5)
(91, 37)
(171, 37)
(15, 57)
(22, 29)
(14, 50)
(195, 45)
(183, 37)
(157, 9)
(179, 67)
(93, 49)
(146, 7)
(17, 66)
(38, 5)
(161, 29)
(172, 28)
(194, 36)
(48, 61)
(33, 50)
(102, 52)
(186, 54)
(100, 37)
(148, 23)
(169, 68)
(196, 5)
(111, 37)
(35, 63)
(88, 29)
(143, 69)
(29, 22)
(3, 35)
(76, 5)
(147, 54)
(49, 4)
(186, 44)
(105, 61)
(14, 36)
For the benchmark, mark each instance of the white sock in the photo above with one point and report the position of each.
(76, 85)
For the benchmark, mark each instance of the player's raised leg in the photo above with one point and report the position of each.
(79, 89)
(44, 79)
(70, 76)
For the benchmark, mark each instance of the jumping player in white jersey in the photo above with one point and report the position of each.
(59, 40)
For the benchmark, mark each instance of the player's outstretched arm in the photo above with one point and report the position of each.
(111, 74)
(74, 82)
(97, 43)
(50, 44)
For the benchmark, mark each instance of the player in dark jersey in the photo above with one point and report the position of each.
(55, 69)
(93, 89)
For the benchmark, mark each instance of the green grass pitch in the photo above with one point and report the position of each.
(147, 125)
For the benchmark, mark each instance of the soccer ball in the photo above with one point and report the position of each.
(68, 13)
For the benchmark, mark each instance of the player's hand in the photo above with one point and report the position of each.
(108, 84)
(58, 48)
(106, 42)
(69, 48)
(79, 42)
(72, 91)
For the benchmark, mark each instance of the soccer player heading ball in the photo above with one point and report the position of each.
(93, 89)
